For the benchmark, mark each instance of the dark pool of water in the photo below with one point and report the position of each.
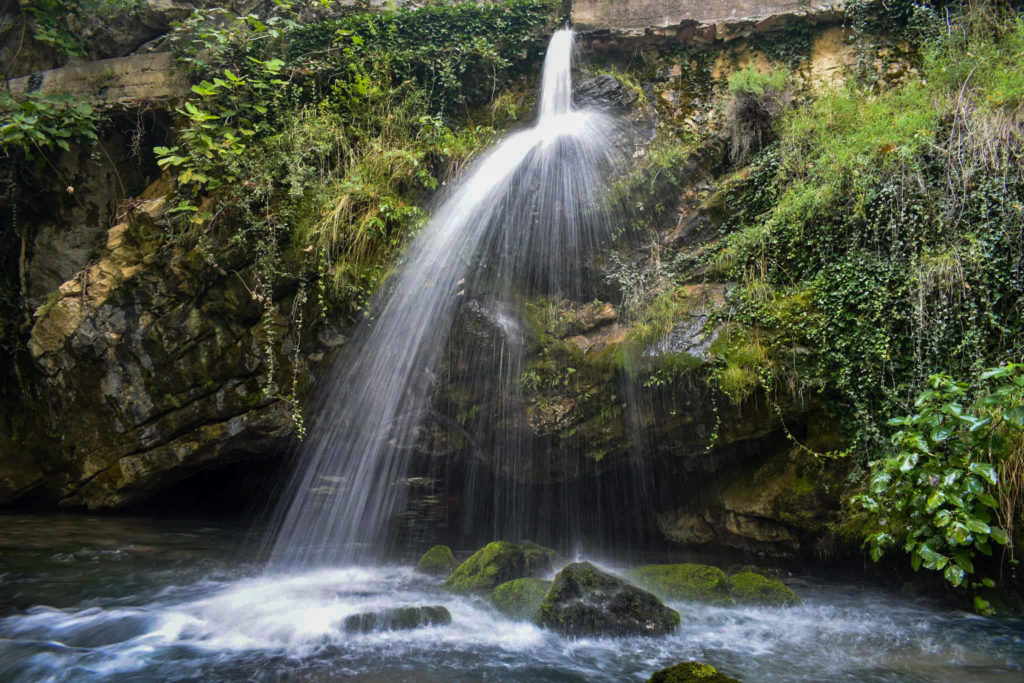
(85, 598)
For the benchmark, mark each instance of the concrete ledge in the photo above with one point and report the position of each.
(119, 81)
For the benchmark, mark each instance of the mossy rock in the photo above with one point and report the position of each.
(438, 561)
(521, 598)
(749, 588)
(539, 560)
(497, 563)
(398, 619)
(688, 672)
(692, 582)
(586, 601)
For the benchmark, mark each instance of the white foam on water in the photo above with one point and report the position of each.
(300, 616)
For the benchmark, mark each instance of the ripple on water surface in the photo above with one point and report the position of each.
(146, 615)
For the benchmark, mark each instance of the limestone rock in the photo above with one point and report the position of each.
(585, 601)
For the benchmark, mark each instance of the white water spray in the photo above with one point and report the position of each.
(524, 217)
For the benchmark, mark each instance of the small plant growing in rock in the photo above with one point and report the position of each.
(756, 102)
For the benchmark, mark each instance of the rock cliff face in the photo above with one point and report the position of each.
(152, 363)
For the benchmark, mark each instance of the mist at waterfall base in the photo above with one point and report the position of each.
(123, 599)
(524, 220)
(145, 599)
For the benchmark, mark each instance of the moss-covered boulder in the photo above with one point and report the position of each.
(539, 559)
(750, 588)
(693, 582)
(521, 598)
(496, 563)
(438, 561)
(585, 601)
(690, 672)
(398, 619)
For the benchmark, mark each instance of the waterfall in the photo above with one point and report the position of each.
(524, 218)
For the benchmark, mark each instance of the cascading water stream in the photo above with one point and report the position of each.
(524, 217)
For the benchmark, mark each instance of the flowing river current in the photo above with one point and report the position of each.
(135, 599)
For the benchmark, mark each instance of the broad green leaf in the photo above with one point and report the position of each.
(954, 574)
(937, 498)
(1015, 416)
(987, 499)
(998, 535)
(909, 462)
(978, 526)
(985, 470)
(958, 534)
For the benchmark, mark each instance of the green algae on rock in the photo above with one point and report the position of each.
(398, 619)
(520, 598)
(438, 561)
(691, 582)
(750, 588)
(496, 563)
(688, 672)
(586, 601)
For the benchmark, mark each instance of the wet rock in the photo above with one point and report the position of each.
(398, 619)
(521, 598)
(604, 92)
(498, 562)
(438, 561)
(585, 601)
(690, 672)
(750, 588)
(692, 582)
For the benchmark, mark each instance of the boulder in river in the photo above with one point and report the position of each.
(520, 598)
(691, 582)
(438, 561)
(498, 562)
(586, 601)
(398, 619)
(690, 672)
(750, 588)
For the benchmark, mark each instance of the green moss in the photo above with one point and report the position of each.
(438, 561)
(749, 588)
(687, 672)
(584, 600)
(496, 563)
(692, 582)
(520, 598)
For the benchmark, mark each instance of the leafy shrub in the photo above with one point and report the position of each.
(35, 123)
(939, 494)
(373, 96)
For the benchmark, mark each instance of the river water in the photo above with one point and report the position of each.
(137, 599)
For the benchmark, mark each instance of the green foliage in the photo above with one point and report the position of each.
(878, 241)
(35, 123)
(328, 136)
(750, 81)
(939, 494)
